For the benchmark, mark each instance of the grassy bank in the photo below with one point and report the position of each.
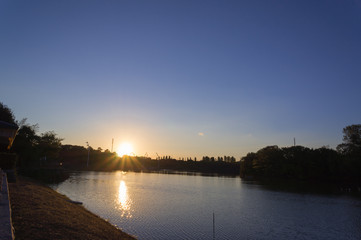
(39, 212)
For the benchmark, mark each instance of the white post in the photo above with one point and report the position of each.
(214, 227)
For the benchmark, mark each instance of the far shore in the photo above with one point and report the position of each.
(38, 212)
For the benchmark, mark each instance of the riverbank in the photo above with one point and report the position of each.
(39, 212)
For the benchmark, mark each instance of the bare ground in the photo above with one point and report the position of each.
(38, 212)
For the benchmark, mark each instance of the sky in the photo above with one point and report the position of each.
(184, 78)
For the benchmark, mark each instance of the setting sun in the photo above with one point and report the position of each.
(125, 148)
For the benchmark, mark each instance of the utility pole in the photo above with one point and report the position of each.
(112, 144)
(294, 142)
(87, 162)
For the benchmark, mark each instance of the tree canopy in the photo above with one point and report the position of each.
(6, 114)
(351, 140)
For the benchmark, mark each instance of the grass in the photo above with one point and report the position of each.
(39, 212)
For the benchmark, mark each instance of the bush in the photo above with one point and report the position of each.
(8, 161)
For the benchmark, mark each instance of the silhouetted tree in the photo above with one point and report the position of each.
(49, 145)
(351, 140)
(6, 114)
(351, 151)
(268, 161)
(246, 167)
(26, 145)
(206, 159)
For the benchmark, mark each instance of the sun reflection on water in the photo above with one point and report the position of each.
(124, 202)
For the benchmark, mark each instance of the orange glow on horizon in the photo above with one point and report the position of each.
(125, 148)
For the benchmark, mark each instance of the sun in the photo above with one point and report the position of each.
(125, 148)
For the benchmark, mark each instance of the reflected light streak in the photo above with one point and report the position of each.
(124, 202)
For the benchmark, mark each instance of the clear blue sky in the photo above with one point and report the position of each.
(184, 78)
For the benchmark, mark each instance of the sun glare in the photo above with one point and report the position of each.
(125, 149)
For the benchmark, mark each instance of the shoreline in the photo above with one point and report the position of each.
(39, 212)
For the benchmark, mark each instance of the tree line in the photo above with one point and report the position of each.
(76, 158)
(302, 163)
(45, 151)
(342, 164)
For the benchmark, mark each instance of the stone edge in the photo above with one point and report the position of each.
(7, 206)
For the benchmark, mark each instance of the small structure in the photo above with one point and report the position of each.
(7, 135)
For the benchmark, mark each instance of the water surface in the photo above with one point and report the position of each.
(170, 206)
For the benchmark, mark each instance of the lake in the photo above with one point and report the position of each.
(181, 206)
